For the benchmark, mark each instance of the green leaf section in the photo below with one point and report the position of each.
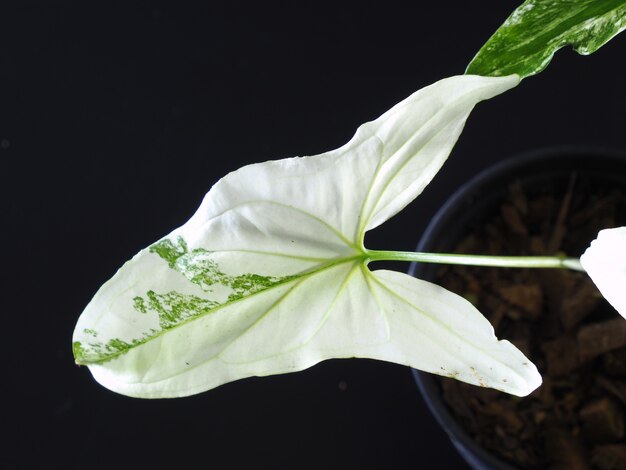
(525, 43)
(174, 308)
(84, 353)
(197, 266)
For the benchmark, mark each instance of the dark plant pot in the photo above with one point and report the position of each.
(468, 206)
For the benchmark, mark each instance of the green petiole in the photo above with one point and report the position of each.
(478, 260)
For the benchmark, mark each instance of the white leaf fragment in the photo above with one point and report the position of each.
(605, 262)
(270, 274)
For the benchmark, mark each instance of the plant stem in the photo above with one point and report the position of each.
(478, 260)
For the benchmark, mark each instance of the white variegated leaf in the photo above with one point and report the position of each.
(270, 275)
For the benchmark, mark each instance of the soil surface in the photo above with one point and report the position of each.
(575, 420)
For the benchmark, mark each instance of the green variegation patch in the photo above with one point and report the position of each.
(174, 308)
(87, 352)
(199, 268)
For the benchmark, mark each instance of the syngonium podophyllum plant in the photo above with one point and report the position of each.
(270, 275)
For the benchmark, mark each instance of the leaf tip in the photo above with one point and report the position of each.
(532, 380)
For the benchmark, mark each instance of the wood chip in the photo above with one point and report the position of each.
(598, 338)
(603, 420)
(513, 219)
(518, 197)
(537, 246)
(528, 298)
(579, 302)
(609, 457)
(562, 355)
(564, 451)
(559, 228)
(505, 416)
(617, 388)
(542, 208)
(614, 362)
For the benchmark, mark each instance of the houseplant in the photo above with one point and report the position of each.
(286, 253)
(524, 205)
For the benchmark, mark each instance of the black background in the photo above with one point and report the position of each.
(117, 117)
